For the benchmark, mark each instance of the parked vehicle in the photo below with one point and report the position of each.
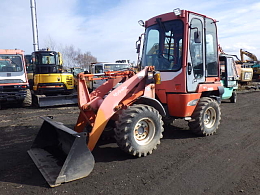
(14, 86)
(105, 66)
(252, 62)
(229, 77)
(51, 86)
(244, 72)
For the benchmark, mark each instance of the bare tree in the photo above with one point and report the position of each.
(69, 53)
(84, 60)
(50, 43)
(72, 57)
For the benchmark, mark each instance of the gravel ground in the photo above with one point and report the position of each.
(225, 163)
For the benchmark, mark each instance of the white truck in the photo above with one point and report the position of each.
(105, 66)
(14, 86)
(101, 67)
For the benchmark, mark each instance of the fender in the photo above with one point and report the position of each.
(154, 103)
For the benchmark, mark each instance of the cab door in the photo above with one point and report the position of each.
(229, 75)
(196, 59)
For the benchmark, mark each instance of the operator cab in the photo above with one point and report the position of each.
(46, 62)
(183, 48)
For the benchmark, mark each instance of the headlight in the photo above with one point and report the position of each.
(154, 77)
(157, 78)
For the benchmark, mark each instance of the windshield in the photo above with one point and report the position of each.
(45, 58)
(11, 63)
(115, 67)
(163, 46)
(110, 67)
(76, 71)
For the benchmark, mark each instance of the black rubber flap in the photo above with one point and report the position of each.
(60, 153)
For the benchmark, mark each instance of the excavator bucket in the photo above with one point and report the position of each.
(47, 101)
(60, 153)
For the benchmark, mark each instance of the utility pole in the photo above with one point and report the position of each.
(34, 26)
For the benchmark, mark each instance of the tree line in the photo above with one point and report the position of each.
(72, 57)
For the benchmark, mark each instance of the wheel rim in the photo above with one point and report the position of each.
(210, 117)
(144, 131)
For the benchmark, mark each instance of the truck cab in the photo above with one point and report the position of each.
(14, 86)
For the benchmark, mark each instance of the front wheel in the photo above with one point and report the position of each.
(206, 117)
(233, 98)
(139, 130)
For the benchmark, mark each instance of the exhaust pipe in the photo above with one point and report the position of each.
(60, 153)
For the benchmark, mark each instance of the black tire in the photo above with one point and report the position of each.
(206, 117)
(233, 98)
(30, 84)
(27, 102)
(139, 130)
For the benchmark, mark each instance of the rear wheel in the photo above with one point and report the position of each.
(233, 98)
(139, 130)
(206, 117)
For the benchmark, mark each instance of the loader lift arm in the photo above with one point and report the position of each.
(96, 111)
(60, 153)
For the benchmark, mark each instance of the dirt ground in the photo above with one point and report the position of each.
(227, 163)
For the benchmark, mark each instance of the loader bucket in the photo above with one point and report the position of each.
(60, 153)
(47, 101)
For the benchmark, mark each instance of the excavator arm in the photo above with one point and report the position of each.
(248, 54)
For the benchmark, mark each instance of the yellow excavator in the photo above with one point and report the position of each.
(253, 62)
(51, 86)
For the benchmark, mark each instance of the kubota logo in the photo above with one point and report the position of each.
(119, 91)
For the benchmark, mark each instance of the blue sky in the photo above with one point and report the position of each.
(109, 29)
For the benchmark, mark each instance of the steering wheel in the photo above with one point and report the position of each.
(162, 63)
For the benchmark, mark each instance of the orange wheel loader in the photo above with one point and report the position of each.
(179, 77)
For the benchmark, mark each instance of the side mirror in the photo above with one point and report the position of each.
(138, 48)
